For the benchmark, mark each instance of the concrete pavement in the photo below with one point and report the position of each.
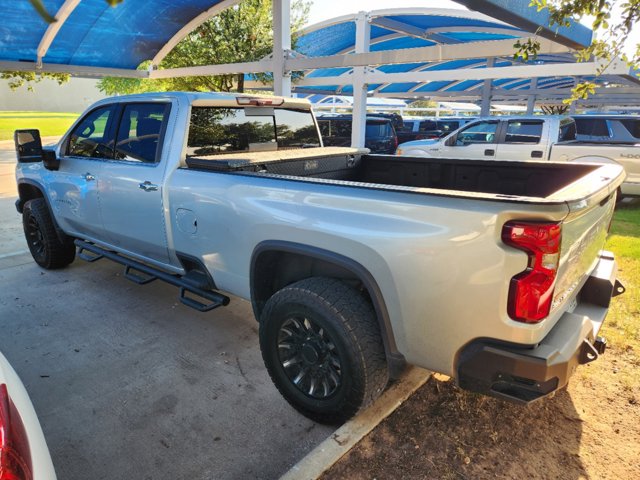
(129, 383)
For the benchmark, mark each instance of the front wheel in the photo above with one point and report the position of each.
(45, 246)
(321, 344)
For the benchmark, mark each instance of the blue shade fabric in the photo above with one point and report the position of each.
(96, 34)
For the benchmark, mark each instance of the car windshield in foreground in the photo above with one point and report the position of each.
(217, 130)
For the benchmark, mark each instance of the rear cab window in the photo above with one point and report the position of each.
(375, 128)
(219, 130)
(567, 131)
(632, 126)
(592, 127)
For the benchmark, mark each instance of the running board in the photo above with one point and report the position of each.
(142, 274)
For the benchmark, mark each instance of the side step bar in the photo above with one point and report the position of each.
(142, 274)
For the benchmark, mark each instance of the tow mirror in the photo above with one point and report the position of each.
(29, 149)
(28, 145)
(451, 141)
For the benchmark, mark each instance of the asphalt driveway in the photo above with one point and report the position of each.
(129, 383)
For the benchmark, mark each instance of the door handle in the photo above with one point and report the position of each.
(147, 186)
(489, 152)
(536, 154)
(88, 177)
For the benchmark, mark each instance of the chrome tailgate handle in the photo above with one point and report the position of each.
(88, 177)
(147, 186)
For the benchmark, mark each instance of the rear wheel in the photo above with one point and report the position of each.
(322, 347)
(45, 246)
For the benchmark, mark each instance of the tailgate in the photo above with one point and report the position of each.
(584, 231)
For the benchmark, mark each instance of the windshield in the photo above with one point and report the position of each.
(217, 130)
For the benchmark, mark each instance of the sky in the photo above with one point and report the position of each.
(326, 9)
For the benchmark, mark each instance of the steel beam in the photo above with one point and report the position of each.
(223, 69)
(74, 70)
(436, 53)
(189, 27)
(521, 15)
(519, 71)
(63, 13)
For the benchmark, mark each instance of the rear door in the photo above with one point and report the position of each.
(523, 141)
(131, 200)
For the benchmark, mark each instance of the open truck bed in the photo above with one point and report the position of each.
(540, 180)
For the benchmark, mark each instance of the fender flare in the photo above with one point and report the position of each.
(395, 359)
(62, 236)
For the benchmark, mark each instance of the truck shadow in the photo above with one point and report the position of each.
(444, 432)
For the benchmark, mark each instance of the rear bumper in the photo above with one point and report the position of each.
(524, 374)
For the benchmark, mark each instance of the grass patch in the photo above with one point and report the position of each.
(49, 123)
(622, 327)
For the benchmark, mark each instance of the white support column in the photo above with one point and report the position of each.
(281, 46)
(531, 100)
(363, 40)
(485, 105)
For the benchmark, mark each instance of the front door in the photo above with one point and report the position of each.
(476, 141)
(74, 188)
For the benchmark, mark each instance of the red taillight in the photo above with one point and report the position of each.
(15, 456)
(531, 292)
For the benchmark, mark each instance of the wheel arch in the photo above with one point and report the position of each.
(28, 190)
(276, 264)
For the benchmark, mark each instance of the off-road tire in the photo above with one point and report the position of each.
(347, 321)
(46, 248)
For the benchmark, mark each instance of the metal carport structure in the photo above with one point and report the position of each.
(415, 52)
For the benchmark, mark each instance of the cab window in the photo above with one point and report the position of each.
(93, 137)
(481, 132)
(140, 131)
(524, 131)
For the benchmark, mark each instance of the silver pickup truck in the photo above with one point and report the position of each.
(355, 264)
(536, 138)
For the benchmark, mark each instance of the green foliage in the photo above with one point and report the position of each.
(18, 79)
(242, 33)
(612, 31)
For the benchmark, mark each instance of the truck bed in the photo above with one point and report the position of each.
(529, 179)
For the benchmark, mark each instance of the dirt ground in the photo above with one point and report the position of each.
(589, 431)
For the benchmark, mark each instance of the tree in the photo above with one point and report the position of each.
(612, 23)
(238, 34)
(18, 79)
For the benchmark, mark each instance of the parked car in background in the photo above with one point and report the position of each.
(23, 450)
(533, 138)
(430, 128)
(605, 128)
(380, 135)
